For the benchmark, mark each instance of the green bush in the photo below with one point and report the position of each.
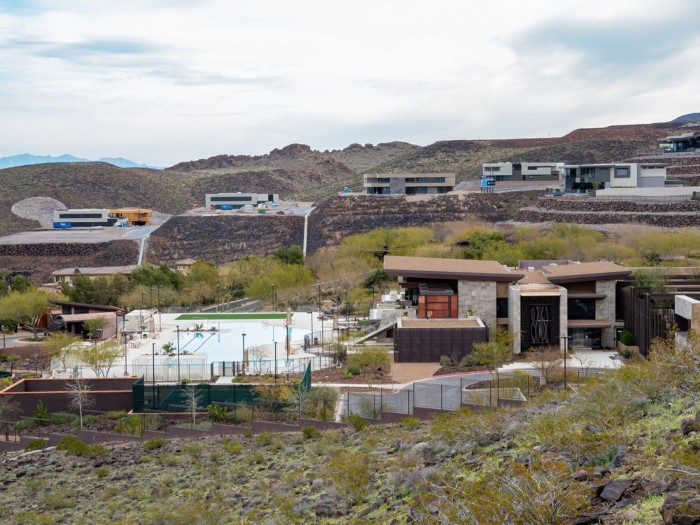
(410, 422)
(145, 459)
(357, 421)
(113, 415)
(155, 443)
(74, 446)
(627, 338)
(135, 425)
(232, 447)
(352, 370)
(36, 444)
(469, 360)
(218, 413)
(62, 418)
(87, 421)
(311, 432)
(25, 423)
(445, 360)
(41, 412)
(370, 360)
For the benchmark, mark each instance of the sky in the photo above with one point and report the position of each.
(160, 82)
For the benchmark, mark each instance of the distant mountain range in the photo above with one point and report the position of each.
(27, 159)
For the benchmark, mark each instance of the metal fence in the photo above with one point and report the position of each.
(273, 367)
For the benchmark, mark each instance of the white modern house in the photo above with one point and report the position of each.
(522, 171)
(578, 178)
(235, 201)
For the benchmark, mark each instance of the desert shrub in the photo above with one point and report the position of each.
(348, 473)
(193, 449)
(410, 422)
(320, 403)
(357, 421)
(25, 423)
(217, 413)
(155, 443)
(627, 338)
(145, 459)
(59, 499)
(263, 439)
(113, 415)
(87, 421)
(445, 361)
(311, 432)
(232, 447)
(352, 370)
(469, 360)
(102, 472)
(370, 360)
(135, 425)
(36, 444)
(62, 418)
(41, 412)
(74, 446)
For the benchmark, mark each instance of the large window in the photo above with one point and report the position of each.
(581, 308)
(502, 307)
(621, 172)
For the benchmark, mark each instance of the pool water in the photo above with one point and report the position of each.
(226, 342)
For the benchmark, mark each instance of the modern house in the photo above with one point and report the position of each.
(409, 183)
(683, 142)
(82, 218)
(542, 303)
(522, 171)
(133, 216)
(578, 178)
(235, 201)
(66, 275)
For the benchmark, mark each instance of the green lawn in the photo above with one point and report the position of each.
(230, 317)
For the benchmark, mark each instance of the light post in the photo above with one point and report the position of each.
(347, 309)
(320, 315)
(275, 362)
(177, 331)
(160, 324)
(312, 329)
(153, 354)
(143, 307)
(123, 338)
(243, 334)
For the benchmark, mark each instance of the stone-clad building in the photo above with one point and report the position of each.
(541, 303)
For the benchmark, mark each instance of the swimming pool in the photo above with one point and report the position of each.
(223, 340)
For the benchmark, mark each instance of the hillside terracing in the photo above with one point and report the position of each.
(348, 215)
(39, 260)
(584, 211)
(223, 238)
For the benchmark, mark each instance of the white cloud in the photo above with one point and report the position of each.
(162, 82)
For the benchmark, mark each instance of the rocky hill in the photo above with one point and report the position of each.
(39, 260)
(222, 239)
(298, 172)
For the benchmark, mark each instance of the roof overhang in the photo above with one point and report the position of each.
(606, 276)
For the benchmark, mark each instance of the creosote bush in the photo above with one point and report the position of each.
(155, 443)
(74, 446)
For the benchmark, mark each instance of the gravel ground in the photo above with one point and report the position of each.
(38, 209)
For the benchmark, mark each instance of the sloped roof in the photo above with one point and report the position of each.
(589, 271)
(435, 268)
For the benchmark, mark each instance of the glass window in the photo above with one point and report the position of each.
(581, 308)
(622, 172)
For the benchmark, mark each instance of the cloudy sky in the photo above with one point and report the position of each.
(162, 81)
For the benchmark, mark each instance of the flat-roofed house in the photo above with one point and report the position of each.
(409, 183)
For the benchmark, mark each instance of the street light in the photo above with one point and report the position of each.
(320, 315)
(153, 354)
(160, 324)
(177, 331)
(275, 362)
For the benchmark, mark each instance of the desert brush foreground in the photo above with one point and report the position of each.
(621, 449)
